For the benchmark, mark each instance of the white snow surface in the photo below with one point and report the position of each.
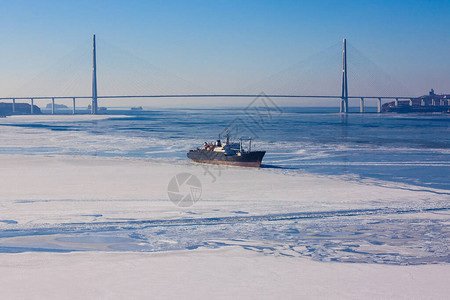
(253, 234)
(231, 273)
(52, 189)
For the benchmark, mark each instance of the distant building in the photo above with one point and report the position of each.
(426, 103)
(100, 109)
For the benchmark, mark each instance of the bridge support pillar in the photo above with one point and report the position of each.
(53, 106)
(423, 102)
(433, 102)
(361, 105)
(73, 105)
(396, 102)
(14, 105)
(379, 105)
(344, 106)
(411, 102)
(32, 104)
(441, 102)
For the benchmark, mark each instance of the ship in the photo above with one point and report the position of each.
(228, 153)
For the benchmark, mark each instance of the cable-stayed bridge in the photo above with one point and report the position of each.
(342, 99)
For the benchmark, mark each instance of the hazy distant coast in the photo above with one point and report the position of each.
(6, 109)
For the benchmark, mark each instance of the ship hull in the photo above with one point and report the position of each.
(251, 159)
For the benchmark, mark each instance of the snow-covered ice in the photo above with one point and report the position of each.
(97, 227)
(227, 273)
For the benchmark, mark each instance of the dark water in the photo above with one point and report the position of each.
(410, 148)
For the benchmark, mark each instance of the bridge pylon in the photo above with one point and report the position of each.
(94, 107)
(344, 98)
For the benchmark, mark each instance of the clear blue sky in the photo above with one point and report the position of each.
(229, 44)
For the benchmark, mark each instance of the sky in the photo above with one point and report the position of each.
(223, 46)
